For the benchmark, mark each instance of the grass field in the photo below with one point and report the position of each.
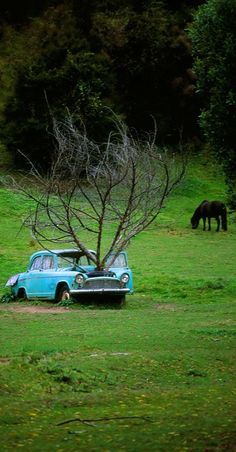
(157, 375)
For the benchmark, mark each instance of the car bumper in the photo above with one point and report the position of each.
(77, 292)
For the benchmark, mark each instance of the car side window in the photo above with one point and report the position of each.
(47, 263)
(120, 261)
(36, 264)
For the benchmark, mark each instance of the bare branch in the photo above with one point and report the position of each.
(121, 184)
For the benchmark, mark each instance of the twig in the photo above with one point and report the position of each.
(102, 419)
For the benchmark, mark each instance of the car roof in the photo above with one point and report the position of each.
(71, 252)
(63, 252)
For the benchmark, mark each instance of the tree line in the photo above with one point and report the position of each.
(169, 60)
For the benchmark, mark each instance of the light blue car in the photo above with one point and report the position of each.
(63, 274)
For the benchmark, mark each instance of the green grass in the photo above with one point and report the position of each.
(157, 375)
(172, 364)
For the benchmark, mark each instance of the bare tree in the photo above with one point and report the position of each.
(117, 186)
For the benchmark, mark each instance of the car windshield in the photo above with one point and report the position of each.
(65, 261)
(120, 261)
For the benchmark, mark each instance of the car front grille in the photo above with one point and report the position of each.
(100, 283)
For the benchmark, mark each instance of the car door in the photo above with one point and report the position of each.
(40, 281)
(32, 281)
(120, 266)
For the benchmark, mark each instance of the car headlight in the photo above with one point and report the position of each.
(79, 279)
(124, 278)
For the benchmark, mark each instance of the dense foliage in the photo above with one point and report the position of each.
(214, 46)
(87, 56)
(134, 58)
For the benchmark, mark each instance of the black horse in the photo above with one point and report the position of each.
(208, 210)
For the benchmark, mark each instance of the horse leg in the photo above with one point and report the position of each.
(209, 223)
(224, 220)
(218, 224)
(204, 223)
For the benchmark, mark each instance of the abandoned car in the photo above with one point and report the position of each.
(63, 274)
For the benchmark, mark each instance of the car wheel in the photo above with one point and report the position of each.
(119, 301)
(22, 295)
(63, 293)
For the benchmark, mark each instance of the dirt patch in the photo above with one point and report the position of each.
(32, 309)
(4, 361)
(167, 306)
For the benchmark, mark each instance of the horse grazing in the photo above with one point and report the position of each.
(208, 210)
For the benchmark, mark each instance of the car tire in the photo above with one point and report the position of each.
(63, 293)
(119, 301)
(22, 295)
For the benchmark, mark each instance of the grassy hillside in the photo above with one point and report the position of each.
(166, 256)
(158, 375)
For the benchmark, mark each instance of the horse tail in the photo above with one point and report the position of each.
(224, 217)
